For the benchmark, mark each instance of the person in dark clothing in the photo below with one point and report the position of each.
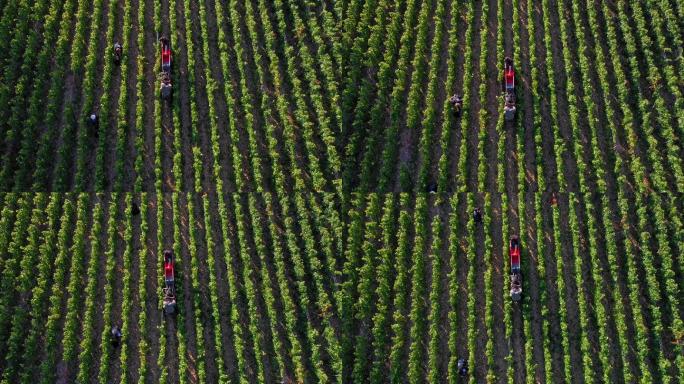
(116, 336)
(477, 215)
(456, 103)
(93, 124)
(462, 365)
(118, 52)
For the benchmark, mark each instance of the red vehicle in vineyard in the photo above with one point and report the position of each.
(165, 68)
(509, 90)
(169, 284)
(516, 275)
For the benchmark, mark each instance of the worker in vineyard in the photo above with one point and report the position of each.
(135, 210)
(118, 52)
(93, 124)
(116, 336)
(456, 103)
(165, 85)
(462, 365)
(553, 200)
(477, 215)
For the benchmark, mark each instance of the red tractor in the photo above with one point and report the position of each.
(165, 68)
(169, 284)
(516, 275)
(509, 90)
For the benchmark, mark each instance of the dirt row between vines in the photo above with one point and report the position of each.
(66, 369)
(471, 179)
(149, 95)
(454, 150)
(226, 149)
(97, 92)
(569, 170)
(500, 344)
(442, 94)
(517, 334)
(409, 139)
(530, 236)
(171, 362)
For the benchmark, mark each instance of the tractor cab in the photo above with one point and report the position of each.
(169, 289)
(516, 275)
(509, 90)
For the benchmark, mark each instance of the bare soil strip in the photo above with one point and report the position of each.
(402, 145)
(254, 87)
(492, 148)
(250, 363)
(112, 119)
(61, 366)
(225, 156)
(604, 141)
(441, 96)
(462, 268)
(130, 151)
(167, 119)
(208, 185)
(409, 138)
(117, 289)
(206, 317)
(153, 290)
(531, 241)
(472, 128)
(71, 367)
(453, 150)
(569, 169)
(149, 92)
(629, 236)
(134, 332)
(181, 102)
(285, 39)
(229, 354)
(188, 330)
(97, 92)
(517, 336)
(265, 336)
(99, 321)
(549, 166)
(288, 369)
(444, 209)
(240, 143)
(481, 332)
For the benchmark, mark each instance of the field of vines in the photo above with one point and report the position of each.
(316, 189)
